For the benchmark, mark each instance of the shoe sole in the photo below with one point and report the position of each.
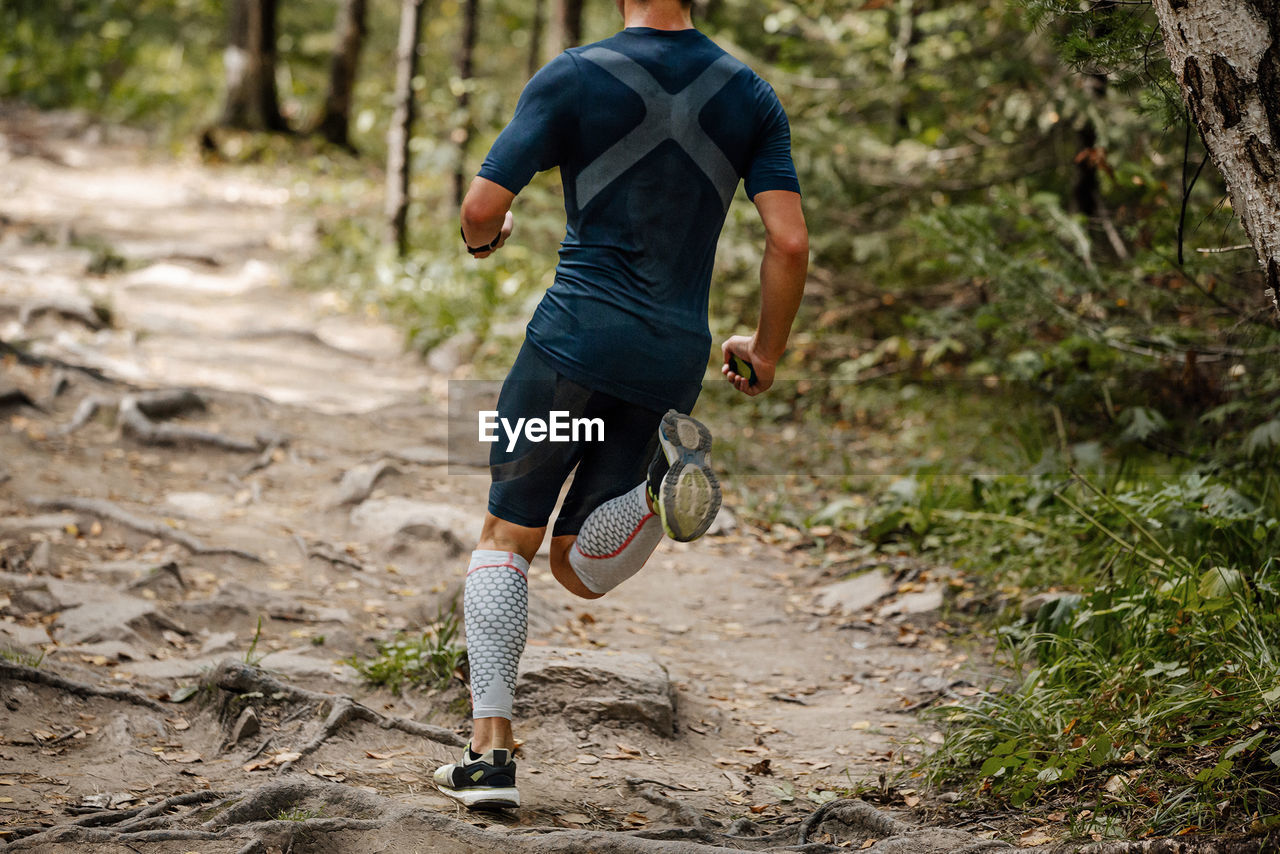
(483, 799)
(690, 495)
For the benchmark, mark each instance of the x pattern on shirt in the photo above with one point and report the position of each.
(667, 116)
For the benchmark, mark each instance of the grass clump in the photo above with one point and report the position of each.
(429, 659)
(23, 659)
(1153, 693)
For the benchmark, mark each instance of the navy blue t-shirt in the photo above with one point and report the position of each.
(652, 130)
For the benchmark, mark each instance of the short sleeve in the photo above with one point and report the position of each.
(535, 139)
(771, 167)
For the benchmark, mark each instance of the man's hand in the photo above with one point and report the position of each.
(744, 347)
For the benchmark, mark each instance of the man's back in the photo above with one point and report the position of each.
(651, 129)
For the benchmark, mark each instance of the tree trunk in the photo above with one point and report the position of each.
(466, 62)
(568, 23)
(250, 61)
(1226, 56)
(397, 207)
(335, 122)
(535, 36)
(903, 61)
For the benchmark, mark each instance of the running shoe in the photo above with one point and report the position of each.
(684, 490)
(480, 781)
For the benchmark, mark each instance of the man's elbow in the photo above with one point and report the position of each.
(793, 244)
(476, 214)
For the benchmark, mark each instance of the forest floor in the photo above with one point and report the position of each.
(245, 542)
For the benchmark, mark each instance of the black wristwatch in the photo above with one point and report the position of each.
(476, 250)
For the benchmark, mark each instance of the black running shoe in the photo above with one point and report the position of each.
(684, 490)
(480, 781)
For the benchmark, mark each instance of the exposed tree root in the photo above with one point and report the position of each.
(267, 457)
(131, 818)
(22, 673)
(27, 359)
(17, 397)
(137, 411)
(358, 483)
(137, 426)
(681, 813)
(240, 678)
(80, 312)
(326, 552)
(113, 513)
(169, 403)
(85, 412)
(349, 818)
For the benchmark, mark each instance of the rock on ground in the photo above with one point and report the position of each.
(596, 686)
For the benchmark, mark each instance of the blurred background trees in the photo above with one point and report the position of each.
(1032, 299)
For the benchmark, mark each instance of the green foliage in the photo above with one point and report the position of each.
(1146, 688)
(429, 660)
(251, 655)
(298, 814)
(24, 659)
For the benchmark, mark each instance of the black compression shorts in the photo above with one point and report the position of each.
(527, 479)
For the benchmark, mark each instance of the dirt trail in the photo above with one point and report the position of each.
(113, 566)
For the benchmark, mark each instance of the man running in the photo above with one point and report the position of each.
(652, 129)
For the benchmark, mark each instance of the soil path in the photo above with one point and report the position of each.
(150, 567)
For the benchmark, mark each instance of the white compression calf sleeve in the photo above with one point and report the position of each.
(615, 541)
(496, 612)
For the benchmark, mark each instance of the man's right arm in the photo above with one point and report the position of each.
(532, 141)
(486, 214)
(782, 276)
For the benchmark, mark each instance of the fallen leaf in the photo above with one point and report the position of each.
(182, 757)
(179, 724)
(6, 800)
(911, 800)
(869, 843)
(587, 759)
(635, 819)
(409, 778)
(8, 781)
(575, 818)
(861, 725)
(1033, 838)
(327, 773)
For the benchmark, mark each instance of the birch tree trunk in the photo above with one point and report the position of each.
(1226, 56)
(466, 67)
(335, 122)
(250, 68)
(401, 131)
